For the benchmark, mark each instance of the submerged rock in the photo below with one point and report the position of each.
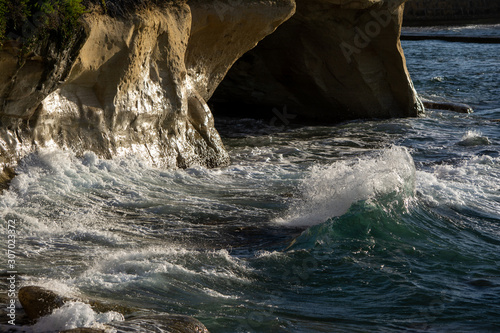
(481, 283)
(333, 60)
(448, 106)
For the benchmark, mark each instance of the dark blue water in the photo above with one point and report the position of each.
(377, 226)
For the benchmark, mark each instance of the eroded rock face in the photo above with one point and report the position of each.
(23, 86)
(333, 60)
(132, 85)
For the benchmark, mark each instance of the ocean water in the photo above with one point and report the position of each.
(366, 226)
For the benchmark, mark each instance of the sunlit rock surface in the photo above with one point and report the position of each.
(134, 84)
(333, 60)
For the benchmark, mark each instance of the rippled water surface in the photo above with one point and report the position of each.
(385, 226)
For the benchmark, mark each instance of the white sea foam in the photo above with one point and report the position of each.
(73, 315)
(277, 255)
(472, 183)
(120, 268)
(62, 288)
(330, 190)
(56, 195)
(217, 294)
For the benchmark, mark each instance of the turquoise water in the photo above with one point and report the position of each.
(388, 226)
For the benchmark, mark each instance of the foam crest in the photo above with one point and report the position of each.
(330, 190)
(73, 315)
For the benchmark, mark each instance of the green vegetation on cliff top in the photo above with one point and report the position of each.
(31, 20)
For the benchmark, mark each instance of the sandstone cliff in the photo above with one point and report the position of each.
(137, 78)
(333, 60)
(136, 83)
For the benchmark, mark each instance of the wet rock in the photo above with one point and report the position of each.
(38, 302)
(100, 306)
(332, 61)
(6, 175)
(448, 106)
(474, 140)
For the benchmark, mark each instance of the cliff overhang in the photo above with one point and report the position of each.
(134, 77)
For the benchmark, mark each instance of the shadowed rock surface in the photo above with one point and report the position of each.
(332, 61)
